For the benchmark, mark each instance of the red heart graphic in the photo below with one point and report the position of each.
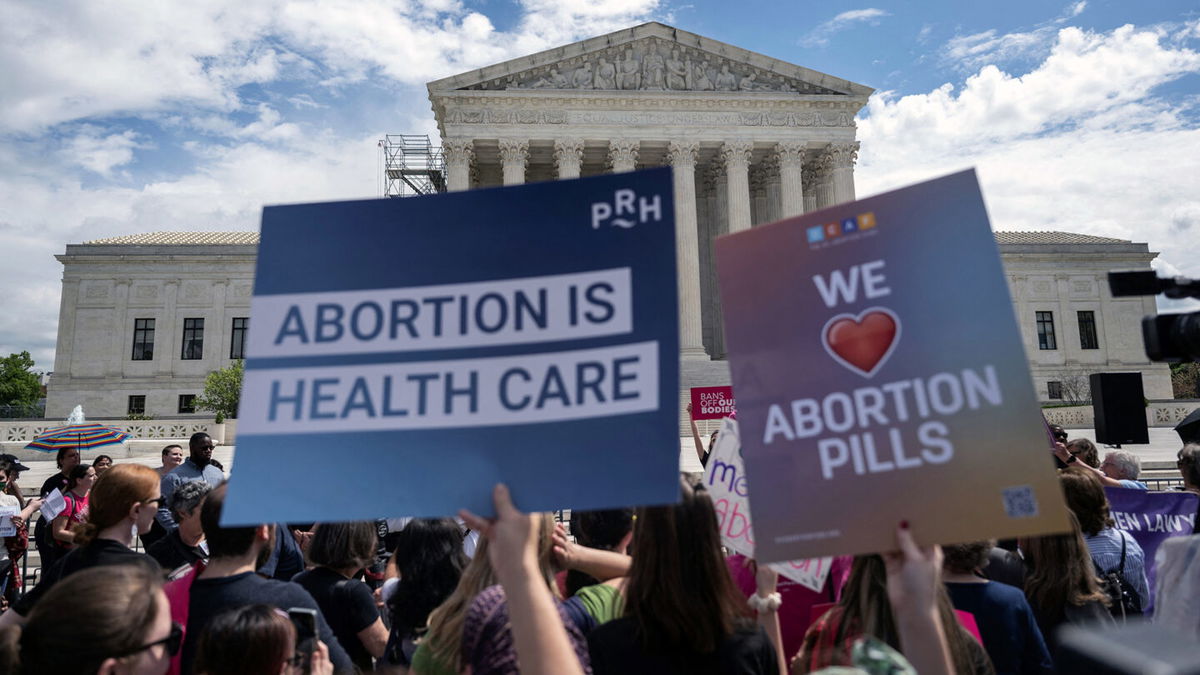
(864, 342)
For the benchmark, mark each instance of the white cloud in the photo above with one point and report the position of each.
(1073, 10)
(167, 56)
(1080, 143)
(98, 152)
(969, 52)
(75, 70)
(820, 35)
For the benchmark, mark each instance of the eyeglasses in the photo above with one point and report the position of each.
(173, 641)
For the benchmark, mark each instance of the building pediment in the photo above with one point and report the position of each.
(652, 57)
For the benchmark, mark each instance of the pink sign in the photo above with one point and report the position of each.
(712, 403)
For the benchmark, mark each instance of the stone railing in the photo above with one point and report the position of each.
(147, 435)
(1158, 414)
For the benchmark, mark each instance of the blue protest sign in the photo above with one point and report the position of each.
(405, 355)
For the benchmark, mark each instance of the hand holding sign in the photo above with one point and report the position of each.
(873, 369)
(7, 527)
(712, 403)
(725, 481)
(54, 505)
(466, 347)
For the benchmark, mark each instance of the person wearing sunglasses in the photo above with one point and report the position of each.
(102, 621)
(125, 497)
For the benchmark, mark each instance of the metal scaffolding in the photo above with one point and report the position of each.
(411, 166)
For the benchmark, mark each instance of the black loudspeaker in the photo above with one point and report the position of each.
(1119, 406)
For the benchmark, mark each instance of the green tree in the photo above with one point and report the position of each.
(223, 391)
(18, 384)
(1185, 380)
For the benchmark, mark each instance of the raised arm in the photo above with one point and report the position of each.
(766, 602)
(696, 435)
(538, 633)
(594, 562)
(914, 575)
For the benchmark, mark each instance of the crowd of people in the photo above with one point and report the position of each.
(623, 591)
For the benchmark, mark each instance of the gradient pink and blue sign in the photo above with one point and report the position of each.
(881, 377)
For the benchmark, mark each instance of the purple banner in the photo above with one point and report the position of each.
(1152, 518)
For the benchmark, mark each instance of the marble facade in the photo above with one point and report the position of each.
(167, 277)
(750, 139)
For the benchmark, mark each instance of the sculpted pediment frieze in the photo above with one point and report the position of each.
(651, 64)
(652, 57)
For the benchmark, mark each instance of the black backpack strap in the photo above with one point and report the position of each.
(1121, 569)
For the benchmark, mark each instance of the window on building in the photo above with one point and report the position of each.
(1087, 331)
(193, 339)
(1054, 390)
(1045, 330)
(137, 405)
(237, 343)
(187, 404)
(143, 339)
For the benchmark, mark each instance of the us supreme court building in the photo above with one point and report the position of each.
(750, 139)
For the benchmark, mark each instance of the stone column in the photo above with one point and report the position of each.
(707, 197)
(824, 180)
(682, 157)
(1066, 347)
(568, 157)
(719, 226)
(791, 179)
(514, 157)
(623, 155)
(117, 351)
(216, 352)
(758, 195)
(773, 189)
(458, 153)
(736, 156)
(165, 347)
(841, 159)
(809, 178)
(66, 329)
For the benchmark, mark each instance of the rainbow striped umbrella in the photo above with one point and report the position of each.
(85, 436)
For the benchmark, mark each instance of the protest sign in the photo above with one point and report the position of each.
(712, 403)
(53, 505)
(1152, 518)
(7, 527)
(881, 377)
(405, 355)
(725, 480)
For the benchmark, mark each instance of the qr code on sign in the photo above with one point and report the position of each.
(1019, 502)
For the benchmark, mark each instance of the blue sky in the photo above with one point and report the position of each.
(129, 117)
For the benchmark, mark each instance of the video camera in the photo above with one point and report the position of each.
(1174, 338)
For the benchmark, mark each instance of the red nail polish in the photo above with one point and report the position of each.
(904, 524)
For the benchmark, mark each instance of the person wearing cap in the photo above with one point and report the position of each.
(14, 526)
